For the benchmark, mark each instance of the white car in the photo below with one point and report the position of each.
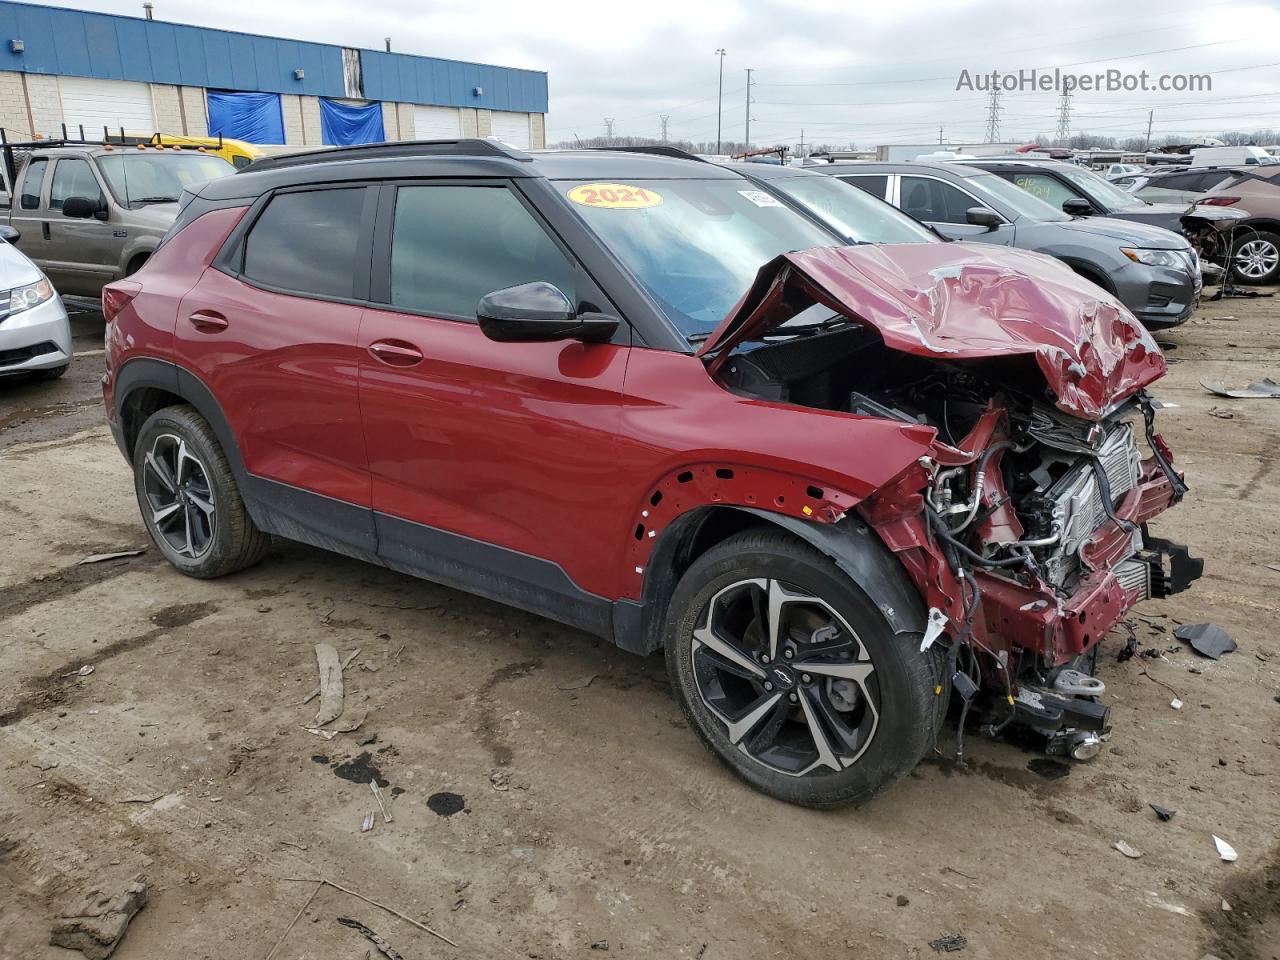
(35, 335)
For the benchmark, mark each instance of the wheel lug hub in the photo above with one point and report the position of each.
(793, 698)
(768, 685)
(805, 678)
(788, 654)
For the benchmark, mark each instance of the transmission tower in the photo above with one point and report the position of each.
(664, 118)
(1064, 119)
(993, 116)
(608, 127)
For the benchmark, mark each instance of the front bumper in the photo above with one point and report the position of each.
(35, 339)
(1159, 296)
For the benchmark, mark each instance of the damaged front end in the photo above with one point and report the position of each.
(1024, 524)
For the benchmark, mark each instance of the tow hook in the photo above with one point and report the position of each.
(1077, 744)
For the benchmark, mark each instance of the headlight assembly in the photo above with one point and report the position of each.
(32, 295)
(1155, 258)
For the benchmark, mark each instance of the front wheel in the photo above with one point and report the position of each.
(1257, 257)
(793, 677)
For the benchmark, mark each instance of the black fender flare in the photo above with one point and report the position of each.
(856, 549)
(142, 372)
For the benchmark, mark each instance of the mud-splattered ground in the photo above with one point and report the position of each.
(531, 820)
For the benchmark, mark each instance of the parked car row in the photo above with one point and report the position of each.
(836, 469)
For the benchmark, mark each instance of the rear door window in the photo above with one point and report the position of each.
(451, 245)
(72, 177)
(874, 185)
(32, 180)
(306, 243)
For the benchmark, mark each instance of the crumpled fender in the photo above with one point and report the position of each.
(957, 301)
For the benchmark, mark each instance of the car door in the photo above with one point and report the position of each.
(944, 206)
(28, 212)
(81, 253)
(271, 332)
(489, 460)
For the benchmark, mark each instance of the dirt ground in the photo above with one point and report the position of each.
(590, 814)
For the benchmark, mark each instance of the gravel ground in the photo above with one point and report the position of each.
(588, 813)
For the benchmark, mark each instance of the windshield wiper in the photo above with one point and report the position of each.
(155, 199)
(697, 337)
(801, 330)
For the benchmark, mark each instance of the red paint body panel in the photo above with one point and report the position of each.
(285, 372)
(964, 301)
(509, 443)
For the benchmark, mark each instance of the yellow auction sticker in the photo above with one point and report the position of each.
(614, 196)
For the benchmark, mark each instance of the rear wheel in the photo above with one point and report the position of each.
(793, 676)
(1257, 257)
(189, 499)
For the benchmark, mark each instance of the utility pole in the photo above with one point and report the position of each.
(387, 41)
(746, 143)
(1151, 114)
(664, 118)
(802, 153)
(1064, 119)
(608, 127)
(719, 97)
(939, 136)
(993, 116)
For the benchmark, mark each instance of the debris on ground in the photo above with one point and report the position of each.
(118, 555)
(1226, 907)
(45, 762)
(1265, 388)
(330, 685)
(1225, 850)
(578, 684)
(141, 798)
(1164, 813)
(446, 804)
(1127, 850)
(384, 948)
(82, 672)
(382, 804)
(500, 780)
(600, 945)
(367, 824)
(95, 926)
(1207, 639)
(345, 663)
(324, 881)
(949, 944)
(1220, 413)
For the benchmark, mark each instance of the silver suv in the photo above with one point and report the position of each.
(1152, 271)
(90, 214)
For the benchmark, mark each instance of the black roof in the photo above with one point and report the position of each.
(453, 158)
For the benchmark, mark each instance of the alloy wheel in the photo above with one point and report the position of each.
(787, 676)
(179, 498)
(1257, 259)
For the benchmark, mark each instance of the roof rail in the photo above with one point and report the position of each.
(657, 150)
(469, 147)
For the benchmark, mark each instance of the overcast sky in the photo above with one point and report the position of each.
(864, 72)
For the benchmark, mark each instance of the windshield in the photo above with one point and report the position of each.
(853, 213)
(155, 177)
(695, 245)
(1023, 204)
(1108, 194)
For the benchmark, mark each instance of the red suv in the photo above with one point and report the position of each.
(838, 486)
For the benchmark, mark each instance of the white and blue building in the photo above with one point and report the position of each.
(92, 70)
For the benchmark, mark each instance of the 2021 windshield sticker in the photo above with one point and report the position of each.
(614, 196)
(760, 198)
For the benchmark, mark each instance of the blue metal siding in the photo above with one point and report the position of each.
(81, 44)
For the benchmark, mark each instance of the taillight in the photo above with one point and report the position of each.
(117, 296)
(1219, 201)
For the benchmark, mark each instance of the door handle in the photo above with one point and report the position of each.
(396, 353)
(208, 321)
(44, 229)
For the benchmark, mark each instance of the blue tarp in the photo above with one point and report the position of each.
(254, 117)
(342, 126)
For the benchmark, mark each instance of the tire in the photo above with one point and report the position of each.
(53, 373)
(891, 710)
(200, 524)
(1256, 257)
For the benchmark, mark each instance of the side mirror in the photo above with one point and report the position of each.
(982, 217)
(538, 312)
(1078, 207)
(82, 208)
(8, 234)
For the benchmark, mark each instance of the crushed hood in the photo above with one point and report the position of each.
(958, 301)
